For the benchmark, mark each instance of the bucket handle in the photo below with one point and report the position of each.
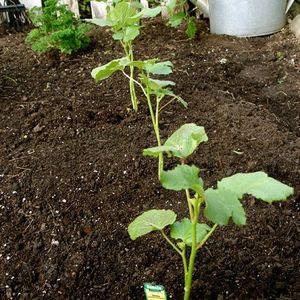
(289, 5)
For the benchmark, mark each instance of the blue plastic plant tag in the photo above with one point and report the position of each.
(154, 292)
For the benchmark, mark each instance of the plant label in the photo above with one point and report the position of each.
(155, 292)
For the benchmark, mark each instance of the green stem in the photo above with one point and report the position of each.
(207, 236)
(185, 266)
(181, 253)
(160, 156)
(129, 54)
(134, 100)
(189, 276)
(155, 122)
(188, 197)
(154, 119)
(171, 243)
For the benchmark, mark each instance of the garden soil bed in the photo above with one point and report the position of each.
(72, 174)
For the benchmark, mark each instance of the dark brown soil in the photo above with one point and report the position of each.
(72, 176)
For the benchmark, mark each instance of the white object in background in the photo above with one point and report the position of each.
(295, 26)
(29, 4)
(72, 5)
(245, 17)
(145, 3)
(2, 16)
(164, 9)
(99, 9)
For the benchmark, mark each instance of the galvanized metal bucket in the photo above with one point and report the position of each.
(245, 17)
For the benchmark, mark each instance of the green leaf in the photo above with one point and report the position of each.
(140, 64)
(118, 36)
(123, 15)
(191, 29)
(150, 12)
(160, 68)
(101, 22)
(178, 98)
(221, 205)
(176, 19)
(151, 220)
(155, 151)
(182, 142)
(181, 178)
(171, 5)
(183, 231)
(257, 184)
(156, 84)
(186, 139)
(131, 33)
(103, 72)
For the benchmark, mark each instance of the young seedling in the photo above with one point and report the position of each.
(124, 20)
(151, 88)
(178, 12)
(218, 205)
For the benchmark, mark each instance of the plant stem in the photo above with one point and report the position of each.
(160, 156)
(189, 276)
(155, 122)
(181, 253)
(207, 236)
(185, 266)
(154, 119)
(188, 197)
(134, 100)
(171, 243)
(129, 53)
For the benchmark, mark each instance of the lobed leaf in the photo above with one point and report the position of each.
(149, 221)
(131, 32)
(221, 205)
(103, 72)
(257, 184)
(140, 64)
(176, 20)
(182, 143)
(150, 12)
(159, 68)
(156, 84)
(101, 22)
(182, 230)
(123, 15)
(186, 139)
(119, 35)
(181, 178)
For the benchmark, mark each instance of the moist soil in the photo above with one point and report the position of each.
(72, 173)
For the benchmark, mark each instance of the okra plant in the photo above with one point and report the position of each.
(178, 11)
(124, 20)
(218, 205)
(151, 88)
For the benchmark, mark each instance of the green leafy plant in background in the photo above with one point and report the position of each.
(178, 11)
(152, 88)
(57, 28)
(124, 20)
(218, 205)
